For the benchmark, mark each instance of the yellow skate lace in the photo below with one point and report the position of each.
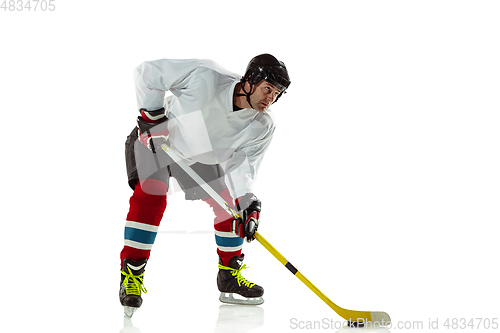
(133, 283)
(237, 274)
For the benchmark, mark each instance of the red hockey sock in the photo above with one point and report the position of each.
(147, 205)
(228, 244)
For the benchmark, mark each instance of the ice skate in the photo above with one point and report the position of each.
(234, 288)
(131, 285)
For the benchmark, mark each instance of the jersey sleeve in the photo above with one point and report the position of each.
(153, 78)
(243, 165)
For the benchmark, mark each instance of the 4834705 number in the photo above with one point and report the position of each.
(473, 323)
(28, 5)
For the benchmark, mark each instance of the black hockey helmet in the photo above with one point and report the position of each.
(266, 67)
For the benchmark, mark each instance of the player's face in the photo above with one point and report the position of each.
(264, 95)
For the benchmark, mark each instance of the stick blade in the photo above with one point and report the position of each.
(380, 318)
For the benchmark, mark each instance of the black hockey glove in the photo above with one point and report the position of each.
(153, 129)
(249, 210)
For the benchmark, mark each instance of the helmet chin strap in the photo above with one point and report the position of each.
(246, 93)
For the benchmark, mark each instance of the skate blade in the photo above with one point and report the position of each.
(229, 299)
(129, 311)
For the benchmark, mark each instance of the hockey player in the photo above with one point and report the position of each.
(221, 125)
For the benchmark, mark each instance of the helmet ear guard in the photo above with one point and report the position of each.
(255, 77)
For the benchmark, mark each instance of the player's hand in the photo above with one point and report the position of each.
(153, 129)
(249, 210)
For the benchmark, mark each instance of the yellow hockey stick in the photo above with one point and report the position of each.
(375, 317)
(380, 318)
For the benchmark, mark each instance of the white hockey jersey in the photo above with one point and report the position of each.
(203, 126)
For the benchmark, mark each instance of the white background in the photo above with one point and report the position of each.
(381, 184)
